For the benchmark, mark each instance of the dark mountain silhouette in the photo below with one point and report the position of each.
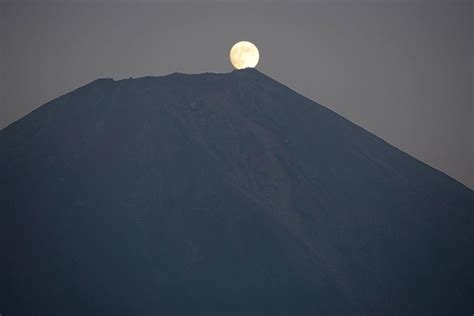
(222, 194)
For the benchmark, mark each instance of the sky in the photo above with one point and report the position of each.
(401, 69)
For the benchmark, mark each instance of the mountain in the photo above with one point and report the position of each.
(222, 194)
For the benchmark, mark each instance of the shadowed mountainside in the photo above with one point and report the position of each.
(222, 194)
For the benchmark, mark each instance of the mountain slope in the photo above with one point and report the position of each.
(222, 194)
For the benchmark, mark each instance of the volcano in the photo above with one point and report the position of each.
(222, 194)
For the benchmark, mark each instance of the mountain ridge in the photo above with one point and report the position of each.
(215, 75)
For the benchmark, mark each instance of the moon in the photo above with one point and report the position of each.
(244, 54)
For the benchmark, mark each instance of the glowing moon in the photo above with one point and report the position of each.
(244, 55)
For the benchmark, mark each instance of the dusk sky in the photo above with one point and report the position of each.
(401, 69)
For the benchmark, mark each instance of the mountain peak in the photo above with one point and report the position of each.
(200, 192)
(176, 75)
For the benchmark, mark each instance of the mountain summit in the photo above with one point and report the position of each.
(222, 194)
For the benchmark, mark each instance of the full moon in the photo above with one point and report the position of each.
(244, 55)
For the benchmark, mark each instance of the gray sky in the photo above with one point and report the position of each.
(401, 69)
